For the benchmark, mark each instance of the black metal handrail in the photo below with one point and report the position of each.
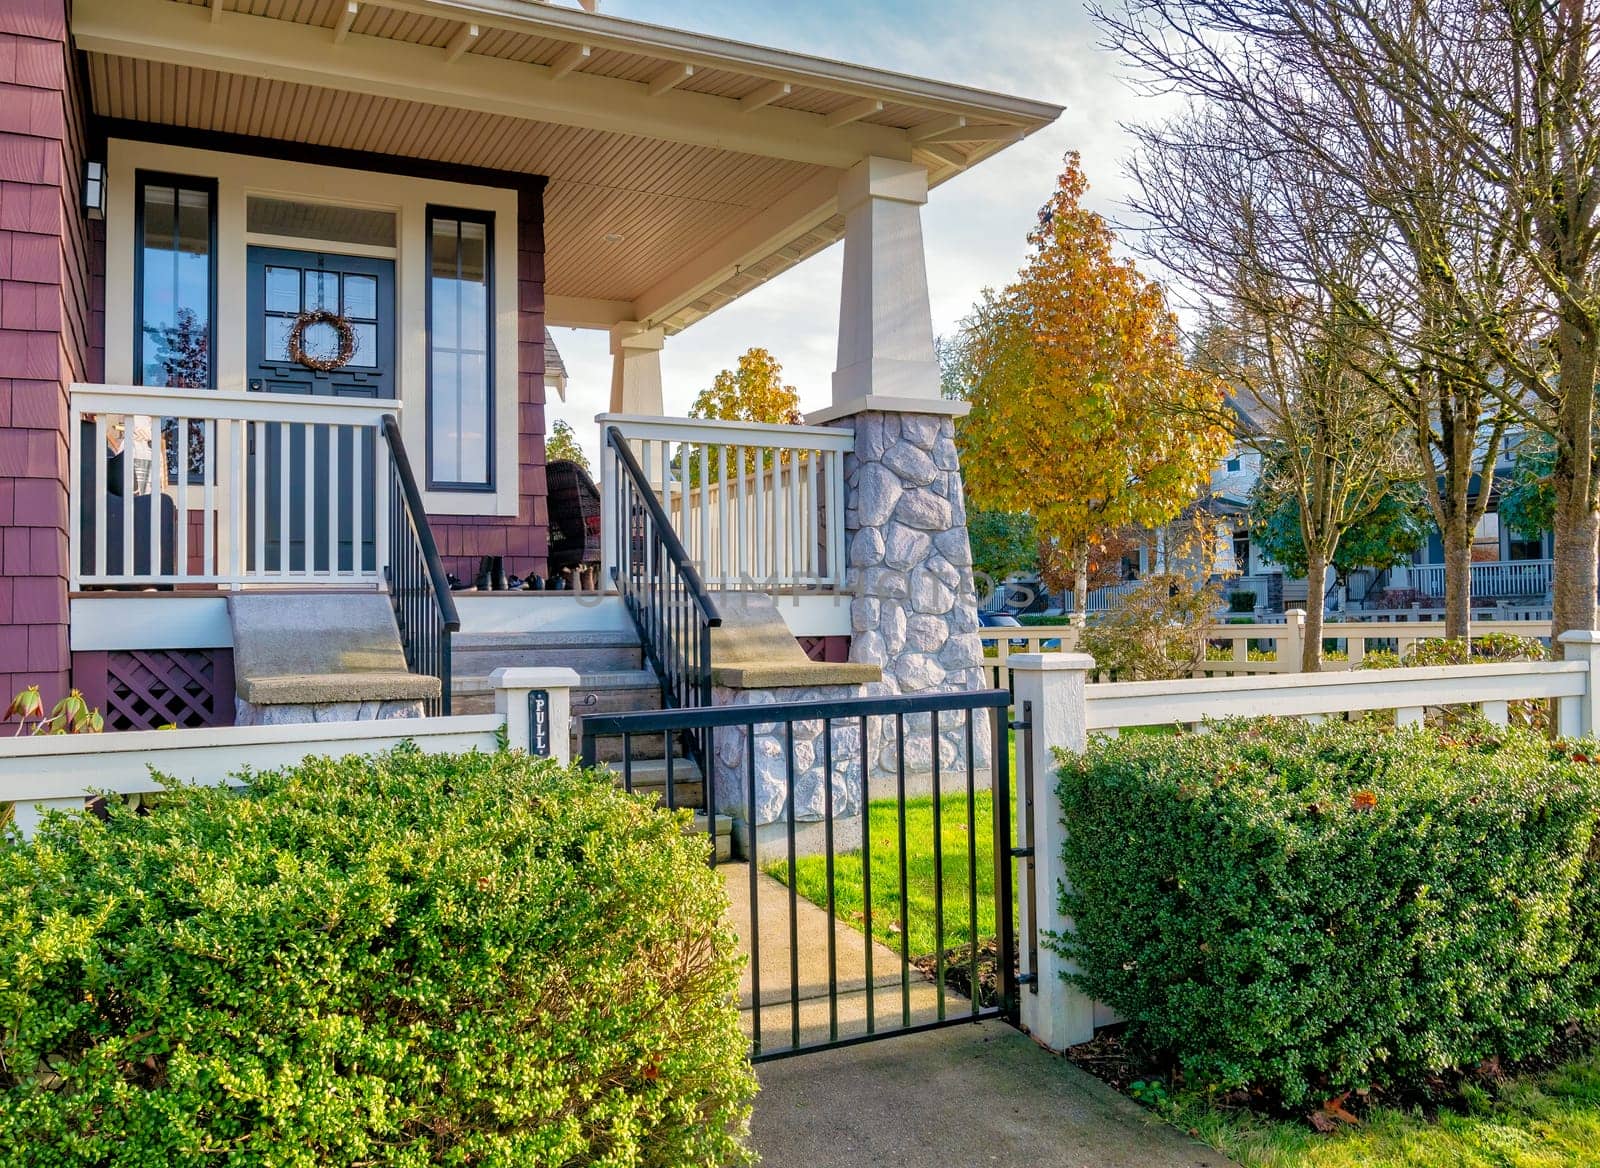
(424, 609)
(661, 590)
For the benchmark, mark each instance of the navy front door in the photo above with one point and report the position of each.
(283, 285)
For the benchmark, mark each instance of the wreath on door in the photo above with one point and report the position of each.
(321, 362)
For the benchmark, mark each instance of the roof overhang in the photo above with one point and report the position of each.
(715, 162)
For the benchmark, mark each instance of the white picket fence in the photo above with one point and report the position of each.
(755, 505)
(1055, 699)
(40, 773)
(1283, 640)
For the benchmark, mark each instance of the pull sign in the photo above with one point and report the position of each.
(539, 722)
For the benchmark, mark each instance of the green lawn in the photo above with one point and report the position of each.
(811, 879)
(1550, 1120)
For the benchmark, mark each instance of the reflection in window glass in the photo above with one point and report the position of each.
(459, 427)
(175, 301)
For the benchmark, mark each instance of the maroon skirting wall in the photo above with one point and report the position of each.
(147, 689)
(829, 648)
(48, 333)
(524, 542)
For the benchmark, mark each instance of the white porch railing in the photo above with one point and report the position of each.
(755, 505)
(1500, 578)
(225, 488)
(1102, 599)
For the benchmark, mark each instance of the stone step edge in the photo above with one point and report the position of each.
(550, 640)
(600, 679)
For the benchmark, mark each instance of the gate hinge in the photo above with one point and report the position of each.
(1022, 853)
(1020, 724)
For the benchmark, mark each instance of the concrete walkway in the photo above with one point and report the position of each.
(968, 1095)
(785, 997)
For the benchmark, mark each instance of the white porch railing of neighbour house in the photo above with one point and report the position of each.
(1500, 578)
(1102, 599)
(236, 488)
(755, 505)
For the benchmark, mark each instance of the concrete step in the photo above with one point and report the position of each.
(608, 691)
(650, 775)
(594, 652)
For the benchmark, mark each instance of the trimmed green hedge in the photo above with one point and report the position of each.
(1309, 908)
(411, 960)
(1037, 619)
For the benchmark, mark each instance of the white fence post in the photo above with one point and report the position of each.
(1051, 687)
(1291, 646)
(1582, 645)
(537, 706)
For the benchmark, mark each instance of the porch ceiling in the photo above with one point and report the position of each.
(717, 163)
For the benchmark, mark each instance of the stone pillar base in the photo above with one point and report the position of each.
(732, 751)
(249, 714)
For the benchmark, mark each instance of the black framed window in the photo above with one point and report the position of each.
(175, 297)
(1521, 548)
(460, 349)
(176, 282)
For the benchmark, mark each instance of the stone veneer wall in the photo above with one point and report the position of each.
(915, 611)
(48, 337)
(732, 750)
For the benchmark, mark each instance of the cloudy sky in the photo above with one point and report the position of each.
(974, 225)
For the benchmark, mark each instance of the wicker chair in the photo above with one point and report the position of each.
(574, 517)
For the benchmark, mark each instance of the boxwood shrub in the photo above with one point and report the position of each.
(402, 960)
(1308, 908)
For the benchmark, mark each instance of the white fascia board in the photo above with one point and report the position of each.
(630, 36)
(127, 621)
(255, 46)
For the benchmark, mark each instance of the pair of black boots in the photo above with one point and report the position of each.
(491, 575)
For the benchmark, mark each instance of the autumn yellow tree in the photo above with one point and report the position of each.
(563, 445)
(1084, 411)
(753, 392)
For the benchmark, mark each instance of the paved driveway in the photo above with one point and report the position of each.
(968, 1095)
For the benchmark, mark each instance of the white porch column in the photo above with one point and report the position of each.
(1050, 688)
(636, 369)
(885, 325)
(914, 612)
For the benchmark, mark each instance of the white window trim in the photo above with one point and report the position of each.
(240, 175)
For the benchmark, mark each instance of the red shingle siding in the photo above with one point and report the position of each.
(47, 332)
(525, 540)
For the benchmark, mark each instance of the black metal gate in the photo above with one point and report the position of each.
(874, 896)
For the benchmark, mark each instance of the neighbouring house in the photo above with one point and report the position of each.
(1508, 570)
(275, 285)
